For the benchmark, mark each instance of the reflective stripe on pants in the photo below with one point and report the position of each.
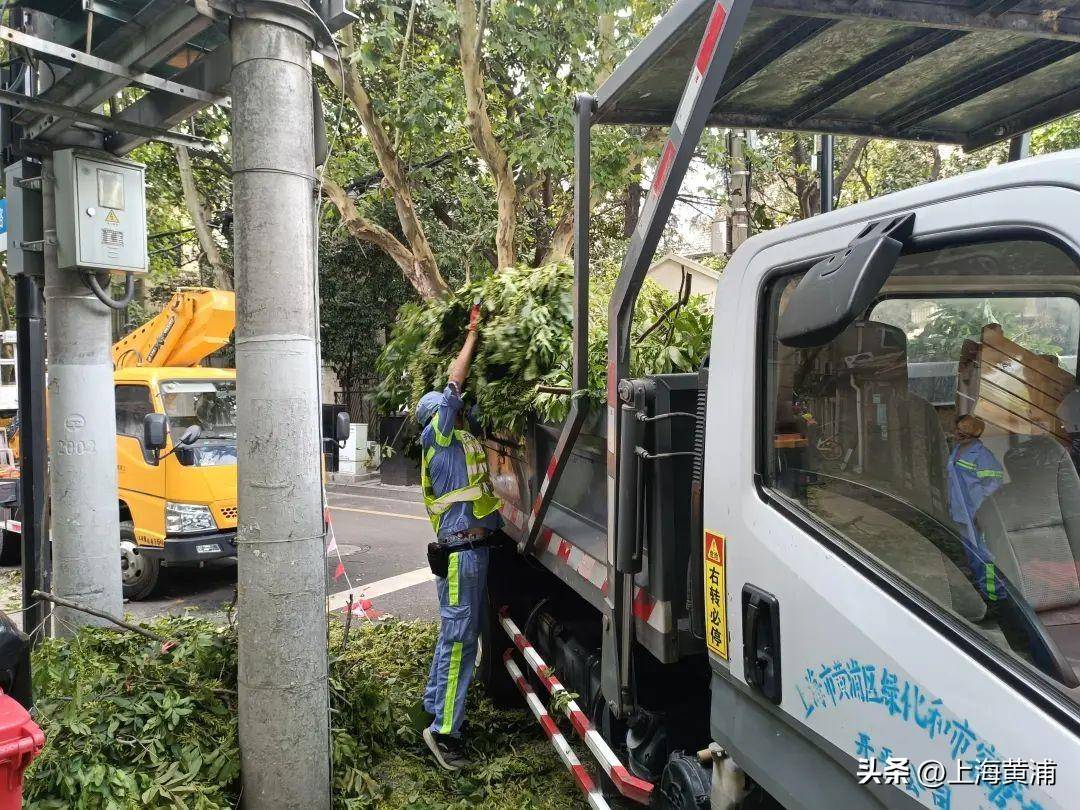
(462, 602)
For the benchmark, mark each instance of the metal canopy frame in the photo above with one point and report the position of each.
(996, 68)
(706, 62)
(178, 52)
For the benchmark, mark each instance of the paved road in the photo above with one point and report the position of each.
(381, 539)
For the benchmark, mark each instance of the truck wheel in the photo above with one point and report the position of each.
(139, 572)
(10, 548)
(685, 783)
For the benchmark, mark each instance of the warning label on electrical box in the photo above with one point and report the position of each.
(715, 595)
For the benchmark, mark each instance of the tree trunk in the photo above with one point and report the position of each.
(479, 125)
(605, 36)
(848, 165)
(422, 262)
(194, 204)
(935, 168)
(428, 285)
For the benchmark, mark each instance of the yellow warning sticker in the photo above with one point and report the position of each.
(112, 218)
(715, 595)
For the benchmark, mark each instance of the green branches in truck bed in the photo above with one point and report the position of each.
(525, 343)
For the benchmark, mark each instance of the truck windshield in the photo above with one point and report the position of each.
(940, 433)
(210, 404)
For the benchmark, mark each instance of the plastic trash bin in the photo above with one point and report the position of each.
(20, 741)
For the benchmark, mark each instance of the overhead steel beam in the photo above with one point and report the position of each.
(61, 113)
(870, 68)
(998, 72)
(931, 14)
(995, 8)
(1035, 115)
(769, 46)
(156, 31)
(727, 117)
(113, 11)
(69, 56)
(161, 111)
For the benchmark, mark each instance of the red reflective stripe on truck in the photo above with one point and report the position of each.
(548, 724)
(580, 722)
(583, 778)
(712, 37)
(662, 171)
(643, 605)
(594, 798)
(630, 786)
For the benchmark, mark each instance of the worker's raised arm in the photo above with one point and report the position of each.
(460, 368)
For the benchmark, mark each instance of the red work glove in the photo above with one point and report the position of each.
(474, 317)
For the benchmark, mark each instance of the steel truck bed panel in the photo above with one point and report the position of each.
(573, 543)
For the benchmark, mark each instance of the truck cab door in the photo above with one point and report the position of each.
(892, 604)
(141, 482)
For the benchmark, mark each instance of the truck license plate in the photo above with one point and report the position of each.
(209, 548)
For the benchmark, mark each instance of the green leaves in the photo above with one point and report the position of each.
(128, 726)
(525, 343)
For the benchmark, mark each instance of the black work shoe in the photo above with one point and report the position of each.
(449, 751)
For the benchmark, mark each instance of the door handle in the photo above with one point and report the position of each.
(761, 642)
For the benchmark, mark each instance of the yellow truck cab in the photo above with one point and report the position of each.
(177, 505)
(177, 501)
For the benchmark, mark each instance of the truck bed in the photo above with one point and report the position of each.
(574, 545)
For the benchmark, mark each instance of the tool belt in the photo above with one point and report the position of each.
(438, 554)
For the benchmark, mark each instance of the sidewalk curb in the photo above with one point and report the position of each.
(377, 490)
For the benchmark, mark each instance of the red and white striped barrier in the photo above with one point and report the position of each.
(628, 785)
(562, 747)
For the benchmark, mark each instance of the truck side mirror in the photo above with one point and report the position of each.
(342, 428)
(836, 291)
(155, 426)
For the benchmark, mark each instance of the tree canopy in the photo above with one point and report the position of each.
(451, 122)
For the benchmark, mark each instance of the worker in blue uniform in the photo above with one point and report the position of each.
(464, 513)
(974, 474)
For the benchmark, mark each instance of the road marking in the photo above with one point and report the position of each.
(417, 504)
(381, 587)
(377, 512)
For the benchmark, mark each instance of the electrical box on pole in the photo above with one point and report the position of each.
(100, 212)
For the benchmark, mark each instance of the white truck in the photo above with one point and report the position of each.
(794, 578)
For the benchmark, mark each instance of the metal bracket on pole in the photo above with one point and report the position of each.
(584, 105)
(54, 52)
(707, 74)
(104, 122)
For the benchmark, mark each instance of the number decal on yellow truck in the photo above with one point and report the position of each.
(715, 595)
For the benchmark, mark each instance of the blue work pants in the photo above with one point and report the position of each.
(462, 603)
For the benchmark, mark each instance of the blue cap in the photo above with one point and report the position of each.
(426, 407)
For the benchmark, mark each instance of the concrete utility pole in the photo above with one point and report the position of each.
(85, 523)
(283, 690)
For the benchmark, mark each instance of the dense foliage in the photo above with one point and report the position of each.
(360, 291)
(525, 343)
(132, 725)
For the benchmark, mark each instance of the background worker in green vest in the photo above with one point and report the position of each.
(465, 514)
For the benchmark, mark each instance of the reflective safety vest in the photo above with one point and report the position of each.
(478, 490)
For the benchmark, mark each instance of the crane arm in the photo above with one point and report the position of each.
(194, 323)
